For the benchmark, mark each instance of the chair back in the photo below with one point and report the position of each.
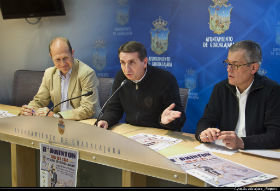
(184, 93)
(25, 86)
(104, 89)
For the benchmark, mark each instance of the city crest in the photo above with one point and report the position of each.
(159, 36)
(61, 126)
(277, 40)
(123, 12)
(99, 55)
(219, 16)
(190, 79)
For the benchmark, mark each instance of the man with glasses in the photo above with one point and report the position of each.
(244, 110)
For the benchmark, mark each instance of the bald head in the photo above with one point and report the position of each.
(62, 54)
(58, 40)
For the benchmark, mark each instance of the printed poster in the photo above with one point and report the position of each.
(217, 171)
(155, 142)
(58, 166)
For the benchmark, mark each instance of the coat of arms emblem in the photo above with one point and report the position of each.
(123, 12)
(219, 16)
(159, 35)
(61, 126)
(190, 79)
(99, 55)
(277, 40)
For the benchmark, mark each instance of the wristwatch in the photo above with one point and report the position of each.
(57, 115)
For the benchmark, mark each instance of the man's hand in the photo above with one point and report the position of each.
(27, 110)
(43, 111)
(102, 124)
(169, 115)
(209, 135)
(231, 140)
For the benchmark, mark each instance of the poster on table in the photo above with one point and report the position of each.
(217, 171)
(155, 142)
(58, 166)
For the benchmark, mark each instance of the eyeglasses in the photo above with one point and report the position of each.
(227, 64)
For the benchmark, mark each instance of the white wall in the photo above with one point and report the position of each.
(25, 46)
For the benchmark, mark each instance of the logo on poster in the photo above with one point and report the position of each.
(123, 12)
(219, 16)
(99, 55)
(159, 35)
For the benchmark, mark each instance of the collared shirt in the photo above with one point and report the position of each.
(64, 91)
(240, 129)
(137, 81)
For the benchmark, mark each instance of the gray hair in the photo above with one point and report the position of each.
(253, 50)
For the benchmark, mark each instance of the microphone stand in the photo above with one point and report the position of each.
(86, 94)
(104, 105)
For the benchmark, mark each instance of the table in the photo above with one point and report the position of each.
(21, 154)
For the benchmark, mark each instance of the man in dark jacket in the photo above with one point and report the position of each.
(243, 111)
(149, 98)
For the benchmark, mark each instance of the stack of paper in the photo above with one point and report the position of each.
(4, 114)
(155, 142)
(263, 153)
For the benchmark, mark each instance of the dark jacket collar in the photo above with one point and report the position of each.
(257, 84)
(147, 76)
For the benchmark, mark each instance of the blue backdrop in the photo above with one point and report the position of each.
(189, 38)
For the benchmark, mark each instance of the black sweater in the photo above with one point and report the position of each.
(262, 114)
(144, 102)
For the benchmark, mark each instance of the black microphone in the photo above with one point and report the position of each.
(101, 111)
(86, 94)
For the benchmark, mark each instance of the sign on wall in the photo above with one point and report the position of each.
(190, 39)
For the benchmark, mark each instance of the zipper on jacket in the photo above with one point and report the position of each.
(136, 97)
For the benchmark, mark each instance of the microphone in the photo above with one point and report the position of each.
(86, 94)
(101, 111)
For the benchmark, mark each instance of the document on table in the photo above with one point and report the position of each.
(211, 147)
(4, 114)
(155, 142)
(217, 171)
(263, 153)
